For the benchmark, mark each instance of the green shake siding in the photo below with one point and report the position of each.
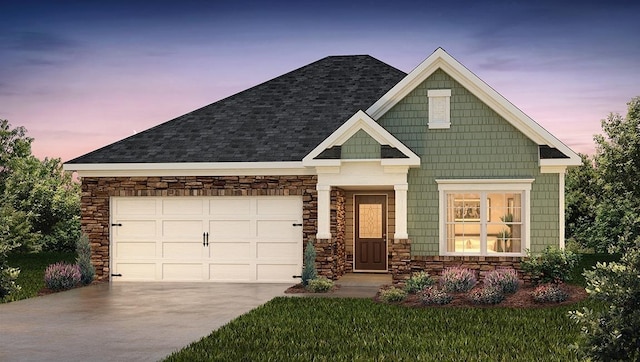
(360, 146)
(479, 144)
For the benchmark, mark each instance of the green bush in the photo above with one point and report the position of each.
(611, 333)
(418, 281)
(487, 295)
(551, 292)
(87, 270)
(456, 280)
(551, 266)
(506, 280)
(392, 295)
(309, 269)
(320, 285)
(62, 276)
(434, 295)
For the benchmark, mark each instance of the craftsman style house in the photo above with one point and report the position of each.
(383, 171)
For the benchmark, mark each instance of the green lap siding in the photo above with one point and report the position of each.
(360, 146)
(479, 144)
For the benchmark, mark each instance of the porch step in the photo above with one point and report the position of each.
(364, 280)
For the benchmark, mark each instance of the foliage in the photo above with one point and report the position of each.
(32, 266)
(87, 270)
(349, 329)
(320, 285)
(62, 276)
(581, 197)
(505, 280)
(551, 292)
(38, 194)
(611, 334)
(392, 295)
(418, 281)
(487, 295)
(309, 269)
(11, 228)
(588, 261)
(553, 265)
(457, 279)
(434, 295)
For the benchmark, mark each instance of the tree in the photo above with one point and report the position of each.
(581, 198)
(39, 192)
(617, 165)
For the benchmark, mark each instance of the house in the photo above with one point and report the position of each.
(383, 171)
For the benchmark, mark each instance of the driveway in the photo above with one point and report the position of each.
(122, 321)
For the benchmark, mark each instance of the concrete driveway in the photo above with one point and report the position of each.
(122, 321)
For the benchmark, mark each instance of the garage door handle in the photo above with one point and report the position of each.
(297, 224)
(205, 239)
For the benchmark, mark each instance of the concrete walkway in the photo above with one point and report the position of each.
(123, 321)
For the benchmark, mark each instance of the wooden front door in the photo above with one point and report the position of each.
(370, 232)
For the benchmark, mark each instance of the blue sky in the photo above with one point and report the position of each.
(80, 74)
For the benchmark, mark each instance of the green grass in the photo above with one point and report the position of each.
(332, 329)
(32, 266)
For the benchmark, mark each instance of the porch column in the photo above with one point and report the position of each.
(324, 212)
(401, 211)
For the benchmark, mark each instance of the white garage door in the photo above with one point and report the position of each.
(224, 239)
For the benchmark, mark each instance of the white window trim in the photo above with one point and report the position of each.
(484, 185)
(439, 95)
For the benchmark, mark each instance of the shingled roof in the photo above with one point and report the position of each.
(280, 120)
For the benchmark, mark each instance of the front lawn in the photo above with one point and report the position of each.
(32, 266)
(332, 329)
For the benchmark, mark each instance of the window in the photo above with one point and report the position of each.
(439, 108)
(482, 218)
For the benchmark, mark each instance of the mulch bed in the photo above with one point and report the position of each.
(520, 299)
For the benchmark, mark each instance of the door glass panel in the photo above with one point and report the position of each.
(370, 221)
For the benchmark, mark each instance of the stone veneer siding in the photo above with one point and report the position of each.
(97, 191)
(331, 256)
(402, 264)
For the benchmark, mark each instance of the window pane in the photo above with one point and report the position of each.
(504, 228)
(463, 222)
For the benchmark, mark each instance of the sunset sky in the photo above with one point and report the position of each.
(82, 74)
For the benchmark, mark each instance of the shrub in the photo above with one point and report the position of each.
(505, 280)
(87, 270)
(309, 269)
(392, 294)
(8, 278)
(320, 285)
(551, 266)
(62, 276)
(434, 295)
(457, 280)
(418, 282)
(551, 292)
(487, 295)
(611, 333)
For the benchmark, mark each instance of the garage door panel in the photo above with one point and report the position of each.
(230, 251)
(135, 206)
(230, 229)
(182, 250)
(136, 229)
(136, 271)
(232, 272)
(277, 206)
(133, 250)
(185, 229)
(283, 229)
(182, 271)
(277, 272)
(226, 206)
(181, 206)
(275, 250)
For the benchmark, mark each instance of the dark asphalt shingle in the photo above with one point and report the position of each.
(280, 120)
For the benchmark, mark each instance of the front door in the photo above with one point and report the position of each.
(370, 231)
